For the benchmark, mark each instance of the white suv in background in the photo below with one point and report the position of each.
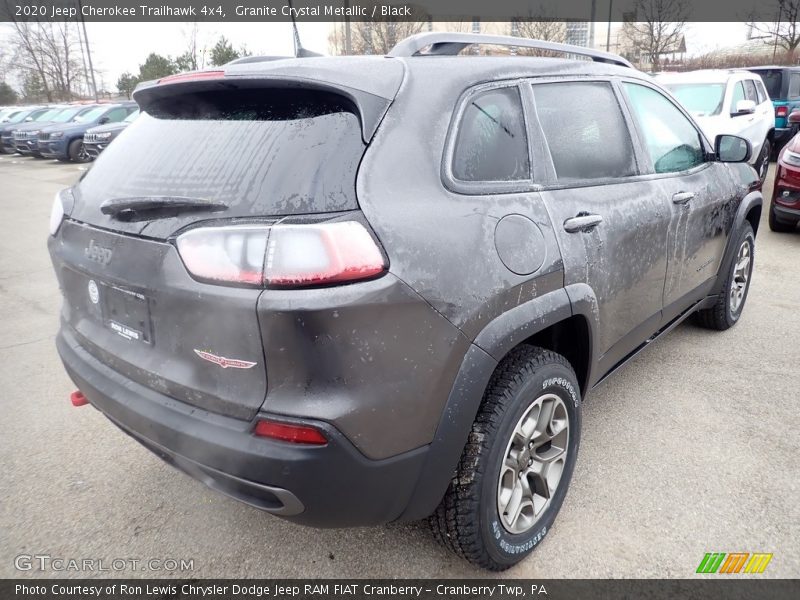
(729, 101)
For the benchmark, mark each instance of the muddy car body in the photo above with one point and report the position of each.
(425, 253)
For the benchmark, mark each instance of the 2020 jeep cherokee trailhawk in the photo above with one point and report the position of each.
(349, 291)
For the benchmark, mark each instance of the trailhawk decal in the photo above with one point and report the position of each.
(223, 362)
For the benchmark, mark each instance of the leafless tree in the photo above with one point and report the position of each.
(657, 29)
(51, 52)
(548, 30)
(783, 33)
(375, 37)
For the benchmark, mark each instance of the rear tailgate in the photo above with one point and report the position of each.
(261, 154)
(133, 306)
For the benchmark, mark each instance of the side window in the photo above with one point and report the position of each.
(794, 85)
(671, 139)
(738, 94)
(762, 93)
(750, 90)
(585, 130)
(117, 114)
(492, 144)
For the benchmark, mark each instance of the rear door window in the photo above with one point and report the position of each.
(762, 93)
(738, 94)
(750, 90)
(492, 144)
(585, 130)
(672, 141)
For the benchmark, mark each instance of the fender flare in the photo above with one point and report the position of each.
(498, 338)
(751, 200)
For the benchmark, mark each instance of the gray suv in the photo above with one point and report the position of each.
(349, 291)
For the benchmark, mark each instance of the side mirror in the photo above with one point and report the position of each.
(744, 107)
(732, 149)
(103, 121)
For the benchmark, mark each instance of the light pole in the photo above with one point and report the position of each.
(88, 50)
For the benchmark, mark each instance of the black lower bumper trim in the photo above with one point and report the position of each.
(325, 486)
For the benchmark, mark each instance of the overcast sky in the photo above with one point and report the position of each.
(120, 47)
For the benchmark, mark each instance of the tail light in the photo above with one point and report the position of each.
(56, 214)
(289, 432)
(781, 111)
(282, 255)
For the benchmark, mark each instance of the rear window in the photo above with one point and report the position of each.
(491, 144)
(262, 152)
(773, 81)
(585, 130)
(794, 85)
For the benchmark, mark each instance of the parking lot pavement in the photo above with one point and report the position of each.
(692, 448)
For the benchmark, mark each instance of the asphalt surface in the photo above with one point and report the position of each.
(692, 448)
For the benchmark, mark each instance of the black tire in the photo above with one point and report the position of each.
(722, 315)
(468, 519)
(762, 164)
(779, 226)
(76, 151)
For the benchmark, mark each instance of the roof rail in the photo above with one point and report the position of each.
(449, 44)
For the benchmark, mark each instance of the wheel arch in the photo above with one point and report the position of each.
(749, 210)
(548, 321)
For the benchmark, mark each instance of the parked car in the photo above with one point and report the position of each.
(783, 87)
(26, 137)
(24, 115)
(784, 208)
(728, 101)
(6, 113)
(96, 139)
(349, 291)
(65, 141)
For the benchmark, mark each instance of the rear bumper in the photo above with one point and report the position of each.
(324, 486)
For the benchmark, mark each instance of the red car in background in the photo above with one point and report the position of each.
(784, 210)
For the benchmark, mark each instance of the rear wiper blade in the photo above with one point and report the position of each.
(157, 207)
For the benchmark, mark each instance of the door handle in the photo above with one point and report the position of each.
(682, 197)
(582, 222)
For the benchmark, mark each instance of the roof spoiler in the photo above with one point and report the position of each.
(450, 44)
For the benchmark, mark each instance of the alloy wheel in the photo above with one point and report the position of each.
(533, 463)
(741, 277)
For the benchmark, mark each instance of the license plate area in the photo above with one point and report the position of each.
(126, 313)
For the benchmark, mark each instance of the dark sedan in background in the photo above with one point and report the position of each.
(24, 115)
(97, 138)
(65, 141)
(26, 135)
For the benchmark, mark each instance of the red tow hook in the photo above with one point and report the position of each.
(78, 399)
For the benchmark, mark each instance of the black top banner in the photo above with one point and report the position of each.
(398, 10)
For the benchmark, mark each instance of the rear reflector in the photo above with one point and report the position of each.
(78, 399)
(198, 76)
(286, 432)
(282, 255)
